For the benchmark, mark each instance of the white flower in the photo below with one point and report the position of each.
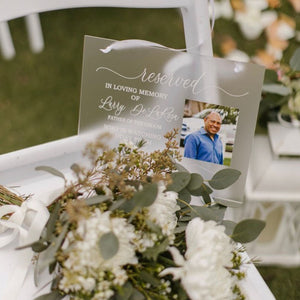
(202, 271)
(221, 9)
(285, 31)
(162, 211)
(252, 21)
(256, 4)
(84, 256)
(238, 55)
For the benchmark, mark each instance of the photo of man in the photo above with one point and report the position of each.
(206, 144)
(208, 132)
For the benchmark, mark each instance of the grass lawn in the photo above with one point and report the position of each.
(39, 93)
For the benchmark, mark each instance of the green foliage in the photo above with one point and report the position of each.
(295, 60)
(195, 182)
(247, 230)
(229, 226)
(179, 181)
(153, 252)
(224, 178)
(270, 76)
(51, 170)
(54, 295)
(215, 212)
(146, 196)
(97, 199)
(140, 199)
(276, 89)
(280, 91)
(126, 191)
(108, 245)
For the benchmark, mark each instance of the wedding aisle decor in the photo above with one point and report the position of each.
(126, 229)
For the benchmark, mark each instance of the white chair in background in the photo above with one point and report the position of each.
(197, 35)
(35, 36)
(194, 14)
(6, 43)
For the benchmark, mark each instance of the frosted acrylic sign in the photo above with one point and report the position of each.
(143, 92)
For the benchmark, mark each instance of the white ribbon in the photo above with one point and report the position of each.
(27, 222)
(127, 44)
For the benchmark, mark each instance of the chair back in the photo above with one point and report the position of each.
(194, 13)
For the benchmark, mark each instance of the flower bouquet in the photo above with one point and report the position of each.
(126, 229)
(281, 93)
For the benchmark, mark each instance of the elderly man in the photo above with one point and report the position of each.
(206, 144)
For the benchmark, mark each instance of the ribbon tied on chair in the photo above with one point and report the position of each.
(25, 224)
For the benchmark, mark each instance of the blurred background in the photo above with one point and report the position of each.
(39, 93)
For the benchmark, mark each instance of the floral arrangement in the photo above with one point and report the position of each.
(126, 229)
(264, 31)
(281, 93)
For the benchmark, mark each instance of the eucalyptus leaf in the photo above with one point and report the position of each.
(75, 168)
(153, 252)
(195, 182)
(179, 181)
(124, 292)
(228, 202)
(180, 229)
(97, 199)
(50, 226)
(247, 230)
(276, 89)
(229, 226)
(117, 204)
(55, 282)
(149, 278)
(224, 178)
(204, 191)
(136, 295)
(52, 267)
(295, 60)
(208, 213)
(51, 170)
(181, 168)
(49, 255)
(54, 295)
(270, 76)
(185, 218)
(108, 245)
(39, 246)
(185, 196)
(146, 196)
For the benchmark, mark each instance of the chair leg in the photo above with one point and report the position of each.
(35, 33)
(6, 43)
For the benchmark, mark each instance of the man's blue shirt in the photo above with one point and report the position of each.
(199, 145)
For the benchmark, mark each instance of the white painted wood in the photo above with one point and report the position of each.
(35, 34)
(273, 195)
(6, 43)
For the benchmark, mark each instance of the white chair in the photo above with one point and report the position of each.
(18, 168)
(194, 13)
(35, 36)
(14, 166)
